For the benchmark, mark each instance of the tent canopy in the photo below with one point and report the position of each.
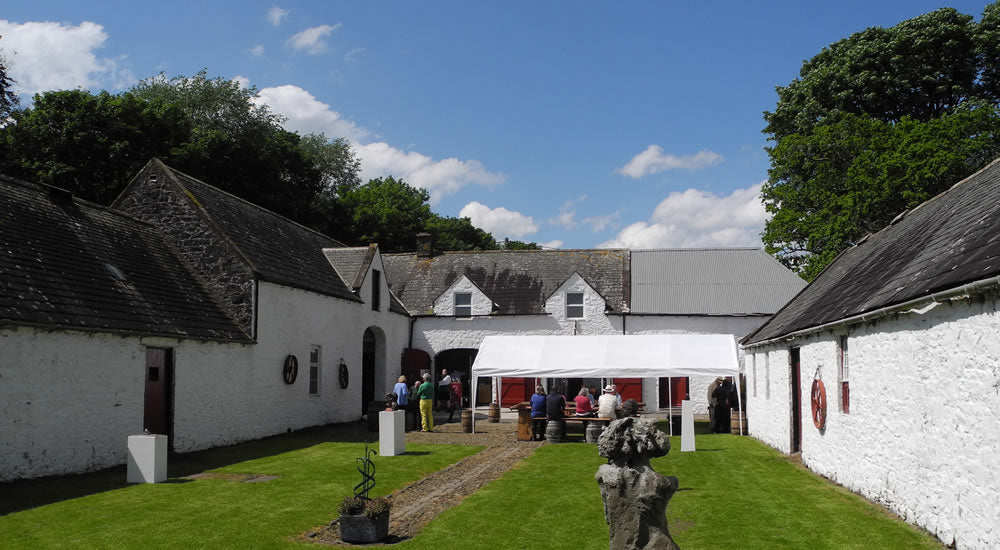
(606, 356)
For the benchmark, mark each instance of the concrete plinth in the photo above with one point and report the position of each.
(147, 458)
(687, 426)
(391, 433)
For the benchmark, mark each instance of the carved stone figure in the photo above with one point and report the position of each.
(635, 496)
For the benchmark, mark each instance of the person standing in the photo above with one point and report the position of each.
(538, 414)
(413, 401)
(721, 395)
(444, 389)
(456, 397)
(402, 392)
(426, 395)
(712, 402)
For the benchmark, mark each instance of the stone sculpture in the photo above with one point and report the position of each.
(635, 496)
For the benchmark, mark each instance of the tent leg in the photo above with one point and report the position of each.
(472, 405)
(739, 402)
(670, 405)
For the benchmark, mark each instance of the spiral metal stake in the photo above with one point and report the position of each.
(367, 469)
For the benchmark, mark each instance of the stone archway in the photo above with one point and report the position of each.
(372, 365)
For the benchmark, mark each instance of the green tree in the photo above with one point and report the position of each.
(8, 100)
(386, 211)
(875, 124)
(458, 234)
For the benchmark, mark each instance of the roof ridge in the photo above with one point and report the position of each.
(258, 207)
(698, 249)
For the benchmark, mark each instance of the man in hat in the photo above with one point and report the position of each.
(607, 405)
(712, 402)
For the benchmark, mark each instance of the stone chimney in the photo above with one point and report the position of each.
(425, 245)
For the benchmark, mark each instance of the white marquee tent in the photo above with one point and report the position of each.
(607, 356)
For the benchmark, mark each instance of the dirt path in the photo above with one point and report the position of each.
(414, 506)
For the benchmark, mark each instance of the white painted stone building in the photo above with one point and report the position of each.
(903, 331)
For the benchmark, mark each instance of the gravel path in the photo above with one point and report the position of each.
(414, 506)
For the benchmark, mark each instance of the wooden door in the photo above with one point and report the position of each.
(796, 401)
(629, 388)
(515, 390)
(673, 391)
(156, 418)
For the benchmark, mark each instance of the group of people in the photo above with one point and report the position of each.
(722, 400)
(418, 400)
(551, 406)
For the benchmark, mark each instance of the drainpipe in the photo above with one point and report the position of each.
(409, 345)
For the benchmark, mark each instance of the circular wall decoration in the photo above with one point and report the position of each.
(344, 376)
(290, 369)
(819, 404)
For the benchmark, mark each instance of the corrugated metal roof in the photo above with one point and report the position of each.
(724, 281)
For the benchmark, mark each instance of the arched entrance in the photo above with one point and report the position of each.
(372, 365)
(459, 362)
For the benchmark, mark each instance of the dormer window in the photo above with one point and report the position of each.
(463, 304)
(574, 305)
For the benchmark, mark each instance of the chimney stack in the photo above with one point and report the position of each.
(424, 245)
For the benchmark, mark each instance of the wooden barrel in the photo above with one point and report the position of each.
(554, 431)
(494, 413)
(734, 423)
(594, 430)
(467, 421)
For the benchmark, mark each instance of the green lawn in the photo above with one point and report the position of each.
(735, 493)
(219, 513)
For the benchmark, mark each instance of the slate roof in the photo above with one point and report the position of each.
(352, 265)
(518, 281)
(276, 248)
(66, 263)
(698, 281)
(950, 240)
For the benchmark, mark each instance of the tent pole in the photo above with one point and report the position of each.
(670, 405)
(739, 402)
(472, 404)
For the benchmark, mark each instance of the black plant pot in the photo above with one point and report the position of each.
(364, 529)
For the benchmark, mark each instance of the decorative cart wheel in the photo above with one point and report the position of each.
(290, 369)
(819, 404)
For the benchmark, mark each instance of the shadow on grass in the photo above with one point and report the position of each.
(30, 493)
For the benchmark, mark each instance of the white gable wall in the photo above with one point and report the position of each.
(444, 305)
(923, 433)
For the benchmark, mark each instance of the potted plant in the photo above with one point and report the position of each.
(364, 519)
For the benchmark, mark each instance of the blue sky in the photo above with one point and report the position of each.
(571, 124)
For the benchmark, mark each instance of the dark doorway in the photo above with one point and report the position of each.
(458, 362)
(367, 370)
(157, 415)
(796, 401)
(673, 391)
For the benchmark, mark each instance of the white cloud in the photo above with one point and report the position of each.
(499, 221)
(567, 213)
(243, 81)
(598, 223)
(45, 55)
(695, 218)
(551, 244)
(353, 54)
(652, 160)
(276, 15)
(305, 114)
(258, 50)
(312, 40)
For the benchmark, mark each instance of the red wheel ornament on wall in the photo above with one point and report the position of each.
(818, 404)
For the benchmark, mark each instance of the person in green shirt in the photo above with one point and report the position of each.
(426, 394)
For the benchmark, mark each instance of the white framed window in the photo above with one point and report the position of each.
(574, 305)
(767, 375)
(844, 373)
(463, 304)
(754, 375)
(314, 370)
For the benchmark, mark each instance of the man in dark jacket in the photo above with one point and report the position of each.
(555, 402)
(538, 414)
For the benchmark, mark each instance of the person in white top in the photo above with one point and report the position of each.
(607, 405)
(444, 389)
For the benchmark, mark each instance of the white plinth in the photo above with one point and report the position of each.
(147, 458)
(391, 436)
(687, 426)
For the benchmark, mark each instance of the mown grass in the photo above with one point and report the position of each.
(734, 493)
(219, 513)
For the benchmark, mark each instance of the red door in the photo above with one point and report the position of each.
(515, 390)
(156, 412)
(673, 391)
(629, 388)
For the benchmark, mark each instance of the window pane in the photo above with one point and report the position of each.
(574, 298)
(463, 299)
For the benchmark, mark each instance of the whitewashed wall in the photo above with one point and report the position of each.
(444, 305)
(769, 402)
(923, 433)
(69, 400)
(689, 324)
